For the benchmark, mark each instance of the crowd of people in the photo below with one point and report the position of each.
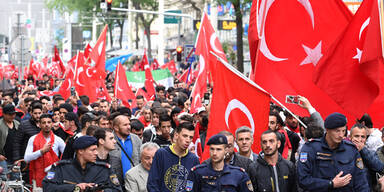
(74, 145)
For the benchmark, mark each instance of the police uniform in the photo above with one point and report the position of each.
(204, 178)
(66, 174)
(318, 164)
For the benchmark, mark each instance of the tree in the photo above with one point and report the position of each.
(88, 9)
(238, 5)
(146, 20)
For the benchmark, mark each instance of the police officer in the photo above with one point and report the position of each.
(218, 176)
(331, 163)
(82, 172)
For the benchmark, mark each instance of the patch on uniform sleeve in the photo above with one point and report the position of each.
(189, 185)
(114, 179)
(249, 185)
(50, 175)
(303, 157)
(359, 163)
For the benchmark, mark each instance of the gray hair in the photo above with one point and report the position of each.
(149, 145)
(243, 129)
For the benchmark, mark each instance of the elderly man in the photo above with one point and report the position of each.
(136, 178)
(244, 139)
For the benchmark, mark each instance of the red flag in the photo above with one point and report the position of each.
(140, 91)
(206, 42)
(98, 54)
(155, 65)
(136, 67)
(293, 37)
(57, 59)
(122, 89)
(65, 88)
(87, 51)
(149, 81)
(9, 70)
(253, 37)
(197, 142)
(55, 70)
(200, 86)
(350, 70)
(171, 66)
(232, 107)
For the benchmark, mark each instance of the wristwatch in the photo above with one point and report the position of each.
(77, 189)
(330, 186)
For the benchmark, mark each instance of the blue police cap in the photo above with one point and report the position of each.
(84, 142)
(217, 139)
(335, 120)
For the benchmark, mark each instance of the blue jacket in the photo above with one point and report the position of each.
(373, 165)
(169, 172)
(318, 165)
(204, 178)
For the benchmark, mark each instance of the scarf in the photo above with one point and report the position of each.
(37, 167)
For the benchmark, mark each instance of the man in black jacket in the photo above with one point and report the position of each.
(273, 173)
(27, 129)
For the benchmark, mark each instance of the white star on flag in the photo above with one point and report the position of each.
(313, 55)
(358, 54)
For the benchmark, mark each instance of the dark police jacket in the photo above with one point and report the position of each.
(268, 178)
(231, 179)
(318, 165)
(66, 174)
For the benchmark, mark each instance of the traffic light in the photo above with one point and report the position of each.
(109, 5)
(179, 51)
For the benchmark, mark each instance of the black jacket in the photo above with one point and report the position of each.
(64, 176)
(27, 129)
(265, 179)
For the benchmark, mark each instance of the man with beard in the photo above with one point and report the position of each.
(273, 173)
(42, 151)
(218, 175)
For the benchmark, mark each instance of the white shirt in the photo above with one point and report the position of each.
(374, 140)
(30, 155)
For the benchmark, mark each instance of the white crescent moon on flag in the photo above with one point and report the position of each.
(236, 104)
(202, 64)
(69, 84)
(365, 24)
(263, 44)
(195, 100)
(212, 42)
(78, 73)
(307, 5)
(196, 143)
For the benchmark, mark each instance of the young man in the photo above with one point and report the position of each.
(331, 163)
(164, 139)
(137, 128)
(171, 165)
(27, 129)
(9, 128)
(217, 175)
(105, 143)
(273, 173)
(83, 172)
(42, 151)
(136, 178)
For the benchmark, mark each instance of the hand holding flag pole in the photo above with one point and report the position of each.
(256, 85)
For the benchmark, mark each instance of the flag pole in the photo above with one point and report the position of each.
(381, 13)
(230, 67)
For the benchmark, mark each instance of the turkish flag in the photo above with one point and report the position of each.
(98, 54)
(54, 70)
(253, 35)
(200, 86)
(149, 81)
(171, 66)
(57, 59)
(155, 65)
(9, 70)
(351, 69)
(65, 88)
(87, 51)
(293, 37)
(236, 102)
(206, 42)
(197, 142)
(122, 89)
